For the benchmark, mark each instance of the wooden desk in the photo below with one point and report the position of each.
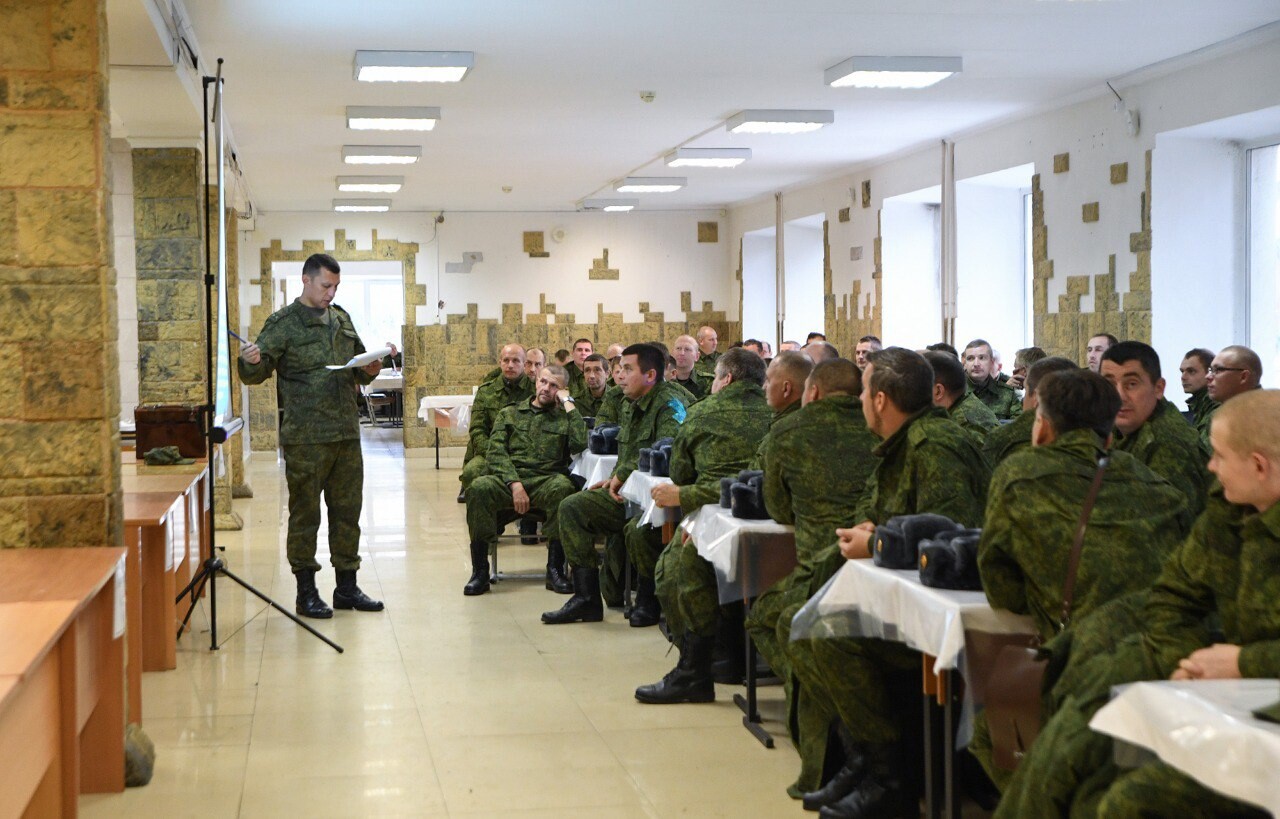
(192, 521)
(61, 679)
(154, 536)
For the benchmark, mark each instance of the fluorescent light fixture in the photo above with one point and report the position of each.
(362, 205)
(370, 184)
(707, 157)
(610, 205)
(413, 66)
(391, 118)
(651, 184)
(891, 72)
(381, 154)
(778, 121)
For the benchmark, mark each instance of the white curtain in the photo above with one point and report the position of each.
(947, 268)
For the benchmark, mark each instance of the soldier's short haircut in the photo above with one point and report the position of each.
(311, 267)
(947, 371)
(980, 342)
(873, 339)
(529, 352)
(754, 342)
(1111, 340)
(794, 366)
(702, 332)
(649, 357)
(1144, 354)
(815, 335)
(1255, 423)
(904, 376)
(1078, 399)
(584, 341)
(836, 375)
(671, 361)
(604, 362)
(1028, 356)
(1244, 357)
(742, 365)
(943, 347)
(1205, 357)
(829, 350)
(1053, 364)
(661, 347)
(559, 373)
(562, 354)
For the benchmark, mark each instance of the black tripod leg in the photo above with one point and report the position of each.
(201, 577)
(286, 613)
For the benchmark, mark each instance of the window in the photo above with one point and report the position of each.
(372, 292)
(1264, 255)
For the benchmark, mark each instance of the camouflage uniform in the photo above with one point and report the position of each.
(973, 415)
(698, 383)
(1227, 570)
(717, 440)
(320, 431)
(1001, 399)
(706, 363)
(1202, 408)
(492, 397)
(615, 550)
(1009, 438)
(585, 515)
(929, 465)
(1170, 447)
(790, 409)
(577, 385)
(532, 445)
(588, 404)
(610, 409)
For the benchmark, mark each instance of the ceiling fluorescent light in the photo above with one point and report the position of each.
(362, 205)
(707, 157)
(391, 118)
(778, 122)
(413, 66)
(651, 184)
(370, 184)
(381, 154)
(610, 205)
(891, 72)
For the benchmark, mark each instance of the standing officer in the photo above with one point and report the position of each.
(320, 431)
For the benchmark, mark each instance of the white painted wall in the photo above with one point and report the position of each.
(120, 158)
(912, 315)
(990, 268)
(759, 287)
(804, 294)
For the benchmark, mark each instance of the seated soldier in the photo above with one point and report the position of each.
(949, 392)
(1220, 575)
(510, 387)
(594, 374)
(655, 411)
(708, 339)
(789, 347)
(1022, 360)
(686, 373)
(717, 440)
(563, 357)
(1034, 506)
(820, 351)
(1149, 427)
(528, 465)
(979, 366)
(866, 345)
(926, 463)
(1195, 383)
(1234, 370)
(1007, 439)
(612, 579)
(784, 390)
(578, 355)
(1093, 350)
(816, 466)
(535, 358)
(815, 336)
(611, 403)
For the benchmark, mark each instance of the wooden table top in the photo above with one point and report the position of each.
(8, 684)
(157, 483)
(30, 631)
(41, 575)
(148, 508)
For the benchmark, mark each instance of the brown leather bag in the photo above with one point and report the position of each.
(169, 425)
(1015, 688)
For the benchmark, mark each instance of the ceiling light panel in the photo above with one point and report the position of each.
(381, 154)
(362, 205)
(413, 66)
(370, 184)
(778, 121)
(891, 72)
(707, 157)
(391, 118)
(610, 205)
(651, 184)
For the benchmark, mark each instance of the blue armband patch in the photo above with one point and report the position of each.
(678, 410)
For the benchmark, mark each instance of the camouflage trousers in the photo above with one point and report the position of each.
(473, 468)
(489, 497)
(686, 585)
(1156, 789)
(613, 572)
(337, 470)
(585, 516)
(857, 676)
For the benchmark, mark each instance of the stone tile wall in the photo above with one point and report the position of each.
(855, 314)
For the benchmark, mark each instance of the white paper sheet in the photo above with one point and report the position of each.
(362, 360)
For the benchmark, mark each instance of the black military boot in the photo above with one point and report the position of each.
(729, 664)
(556, 581)
(349, 596)
(462, 495)
(585, 606)
(479, 582)
(880, 794)
(309, 603)
(647, 610)
(528, 532)
(844, 781)
(690, 680)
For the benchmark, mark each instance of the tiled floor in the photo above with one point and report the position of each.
(441, 705)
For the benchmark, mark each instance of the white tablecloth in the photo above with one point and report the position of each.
(457, 407)
(386, 380)
(748, 555)
(637, 490)
(865, 600)
(593, 467)
(1204, 728)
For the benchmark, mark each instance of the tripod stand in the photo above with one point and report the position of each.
(213, 565)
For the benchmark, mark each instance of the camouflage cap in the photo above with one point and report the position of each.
(165, 456)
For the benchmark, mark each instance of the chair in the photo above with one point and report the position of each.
(373, 400)
(504, 520)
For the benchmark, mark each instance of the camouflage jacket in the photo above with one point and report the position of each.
(815, 468)
(1229, 566)
(758, 461)
(319, 404)
(588, 404)
(490, 399)
(698, 384)
(1009, 438)
(531, 442)
(577, 385)
(658, 414)
(1035, 502)
(929, 465)
(1000, 398)
(610, 409)
(970, 413)
(1171, 448)
(717, 440)
(707, 363)
(1202, 408)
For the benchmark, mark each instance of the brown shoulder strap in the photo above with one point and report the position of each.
(1073, 563)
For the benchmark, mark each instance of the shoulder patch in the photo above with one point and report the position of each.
(678, 410)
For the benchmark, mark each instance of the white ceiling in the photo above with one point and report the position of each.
(553, 109)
